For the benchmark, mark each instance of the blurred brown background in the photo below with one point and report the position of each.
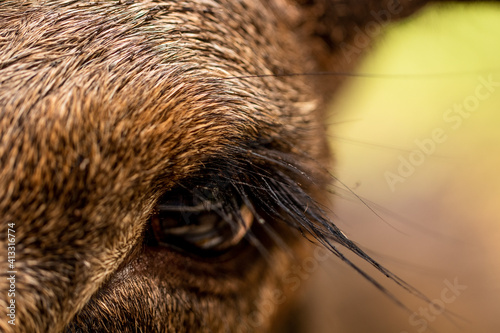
(419, 141)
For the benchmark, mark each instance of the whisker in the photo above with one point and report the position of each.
(379, 145)
(400, 76)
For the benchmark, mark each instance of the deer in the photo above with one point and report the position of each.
(164, 163)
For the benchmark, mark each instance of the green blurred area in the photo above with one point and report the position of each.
(419, 70)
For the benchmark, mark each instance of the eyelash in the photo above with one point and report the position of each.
(268, 188)
(212, 213)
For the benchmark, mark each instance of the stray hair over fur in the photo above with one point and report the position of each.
(128, 127)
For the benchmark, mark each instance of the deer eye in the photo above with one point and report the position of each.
(208, 219)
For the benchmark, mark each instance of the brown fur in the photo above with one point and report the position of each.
(107, 105)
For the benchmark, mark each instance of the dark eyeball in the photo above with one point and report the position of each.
(208, 218)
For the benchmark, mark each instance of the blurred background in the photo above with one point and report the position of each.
(417, 137)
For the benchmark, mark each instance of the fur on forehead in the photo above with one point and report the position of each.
(146, 77)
